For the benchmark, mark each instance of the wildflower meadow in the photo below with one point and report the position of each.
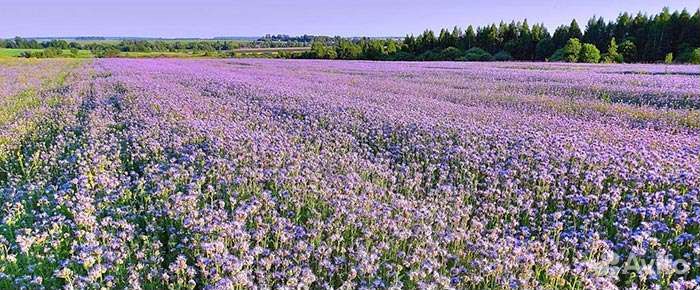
(318, 174)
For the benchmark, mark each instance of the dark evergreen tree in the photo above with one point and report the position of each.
(469, 38)
(597, 33)
(455, 36)
(545, 48)
(628, 50)
(561, 36)
(574, 30)
(409, 44)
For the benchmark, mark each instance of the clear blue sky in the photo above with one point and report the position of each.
(209, 18)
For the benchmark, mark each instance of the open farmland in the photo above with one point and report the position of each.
(288, 174)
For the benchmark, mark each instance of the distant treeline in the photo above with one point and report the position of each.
(22, 43)
(124, 45)
(283, 40)
(100, 49)
(105, 49)
(669, 37)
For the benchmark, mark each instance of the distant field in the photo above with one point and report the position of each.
(15, 52)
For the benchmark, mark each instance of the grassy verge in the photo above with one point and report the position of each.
(17, 52)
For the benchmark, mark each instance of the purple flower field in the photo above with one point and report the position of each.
(302, 174)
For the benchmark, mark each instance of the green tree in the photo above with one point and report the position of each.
(487, 38)
(444, 38)
(409, 43)
(668, 59)
(52, 52)
(574, 30)
(57, 43)
(560, 36)
(596, 33)
(571, 50)
(692, 33)
(695, 56)
(541, 43)
(426, 41)
(348, 50)
(451, 53)
(508, 35)
(469, 39)
(685, 53)
(589, 53)
(640, 35)
(628, 50)
(502, 56)
(476, 54)
(525, 45)
(372, 48)
(331, 54)
(391, 47)
(320, 50)
(455, 36)
(612, 55)
(621, 28)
